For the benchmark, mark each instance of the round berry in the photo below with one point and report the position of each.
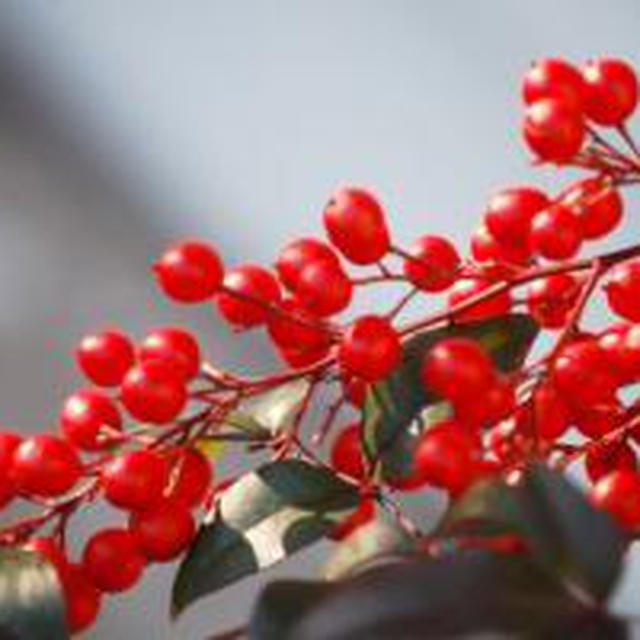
(553, 78)
(611, 91)
(249, 291)
(485, 248)
(191, 477)
(555, 233)
(595, 423)
(324, 289)
(433, 265)
(190, 272)
(550, 300)
(9, 442)
(458, 369)
(549, 412)
(301, 358)
(346, 454)
(135, 479)
(82, 598)
(105, 357)
(370, 348)
(464, 290)
(163, 531)
(553, 130)
(602, 459)
(89, 419)
(45, 465)
(597, 205)
(355, 390)
(299, 254)
(619, 494)
(175, 346)
(112, 560)
(295, 328)
(620, 345)
(355, 223)
(497, 403)
(153, 392)
(623, 290)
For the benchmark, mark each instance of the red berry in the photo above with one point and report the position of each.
(45, 465)
(597, 205)
(507, 439)
(249, 291)
(458, 369)
(355, 390)
(619, 494)
(596, 423)
(370, 348)
(553, 78)
(355, 223)
(555, 233)
(190, 272)
(82, 598)
(550, 414)
(89, 418)
(301, 358)
(346, 454)
(153, 392)
(435, 263)
(191, 477)
(163, 531)
(296, 328)
(550, 300)
(497, 403)
(485, 248)
(135, 479)
(611, 91)
(105, 357)
(620, 345)
(623, 290)
(602, 459)
(9, 442)
(175, 346)
(324, 289)
(365, 512)
(299, 254)
(463, 290)
(509, 214)
(553, 130)
(112, 560)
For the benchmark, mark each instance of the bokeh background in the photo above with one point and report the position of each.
(126, 124)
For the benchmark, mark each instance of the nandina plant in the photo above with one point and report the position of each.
(492, 399)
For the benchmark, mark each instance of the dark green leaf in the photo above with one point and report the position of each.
(31, 606)
(394, 412)
(264, 517)
(567, 536)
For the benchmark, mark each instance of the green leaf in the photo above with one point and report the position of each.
(372, 541)
(398, 409)
(31, 605)
(261, 519)
(566, 535)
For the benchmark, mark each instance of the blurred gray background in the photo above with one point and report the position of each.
(126, 124)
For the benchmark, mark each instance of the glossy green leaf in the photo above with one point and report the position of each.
(31, 605)
(261, 519)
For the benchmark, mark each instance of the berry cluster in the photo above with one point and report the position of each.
(132, 436)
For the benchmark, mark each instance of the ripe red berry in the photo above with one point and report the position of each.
(175, 346)
(153, 392)
(485, 248)
(620, 345)
(190, 272)
(435, 263)
(507, 439)
(498, 402)
(190, 478)
(365, 512)
(370, 348)
(509, 214)
(555, 233)
(89, 419)
(623, 290)
(112, 560)
(553, 78)
(457, 369)
(602, 459)
(299, 254)
(550, 415)
(9, 442)
(346, 454)
(553, 130)
(295, 328)
(355, 390)
(619, 494)
(135, 479)
(611, 91)
(45, 465)
(324, 289)
(248, 292)
(597, 205)
(163, 531)
(105, 357)
(596, 423)
(301, 358)
(82, 598)
(463, 290)
(355, 223)
(550, 300)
